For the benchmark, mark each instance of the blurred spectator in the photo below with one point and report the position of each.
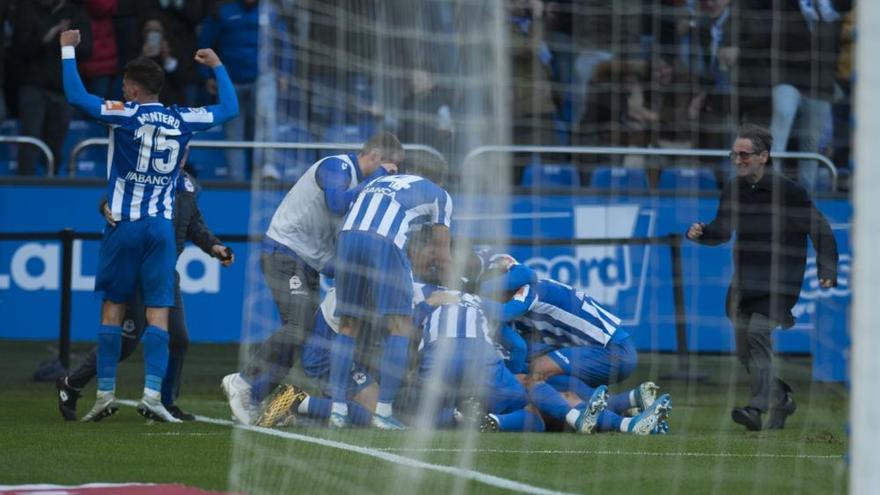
(180, 19)
(155, 46)
(232, 30)
(842, 109)
(806, 41)
(5, 11)
(125, 25)
(750, 64)
(532, 106)
(43, 109)
(99, 70)
(600, 34)
(717, 54)
(426, 116)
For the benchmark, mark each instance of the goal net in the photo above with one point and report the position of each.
(508, 98)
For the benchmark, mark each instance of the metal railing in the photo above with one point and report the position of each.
(269, 145)
(600, 150)
(39, 143)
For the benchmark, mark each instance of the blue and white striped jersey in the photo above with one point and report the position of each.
(389, 206)
(561, 316)
(144, 155)
(147, 142)
(463, 320)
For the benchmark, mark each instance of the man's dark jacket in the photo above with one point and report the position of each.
(772, 220)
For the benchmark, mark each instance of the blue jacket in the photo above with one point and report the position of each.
(234, 33)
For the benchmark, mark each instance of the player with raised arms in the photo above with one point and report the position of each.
(147, 140)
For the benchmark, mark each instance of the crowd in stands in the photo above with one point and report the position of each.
(624, 73)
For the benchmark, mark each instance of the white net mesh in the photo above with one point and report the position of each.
(451, 76)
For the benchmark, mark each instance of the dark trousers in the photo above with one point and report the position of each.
(45, 115)
(755, 351)
(296, 289)
(133, 327)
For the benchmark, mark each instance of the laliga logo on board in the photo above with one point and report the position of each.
(37, 266)
(603, 272)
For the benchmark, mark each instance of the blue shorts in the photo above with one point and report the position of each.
(471, 368)
(138, 254)
(597, 365)
(373, 276)
(316, 360)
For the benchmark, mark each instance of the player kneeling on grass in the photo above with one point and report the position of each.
(289, 401)
(571, 340)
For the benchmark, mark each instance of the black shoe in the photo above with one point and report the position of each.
(179, 413)
(67, 397)
(748, 417)
(778, 413)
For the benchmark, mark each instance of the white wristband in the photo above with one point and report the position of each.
(68, 52)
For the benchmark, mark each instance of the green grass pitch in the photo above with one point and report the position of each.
(705, 452)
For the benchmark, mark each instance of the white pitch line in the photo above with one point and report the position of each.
(468, 474)
(614, 452)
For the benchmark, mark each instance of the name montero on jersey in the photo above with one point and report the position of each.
(159, 117)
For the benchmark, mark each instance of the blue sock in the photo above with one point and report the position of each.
(359, 415)
(549, 401)
(341, 358)
(172, 377)
(619, 403)
(319, 407)
(261, 387)
(109, 350)
(566, 383)
(521, 420)
(155, 357)
(608, 421)
(445, 418)
(393, 367)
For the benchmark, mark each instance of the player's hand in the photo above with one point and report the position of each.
(696, 230)
(443, 298)
(108, 215)
(389, 167)
(223, 253)
(70, 37)
(827, 283)
(206, 56)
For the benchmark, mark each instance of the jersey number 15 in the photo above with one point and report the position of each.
(155, 139)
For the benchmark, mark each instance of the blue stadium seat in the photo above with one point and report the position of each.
(92, 161)
(349, 133)
(619, 178)
(824, 179)
(8, 151)
(687, 179)
(292, 163)
(209, 163)
(543, 175)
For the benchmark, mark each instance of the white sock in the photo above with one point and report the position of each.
(340, 408)
(384, 409)
(632, 398)
(624, 424)
(571, 417)
(152, 394)
(102, 393)
(303, 407)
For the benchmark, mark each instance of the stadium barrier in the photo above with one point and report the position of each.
(39, 143)
(67, 236)
(601, 150)
(263, 145)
